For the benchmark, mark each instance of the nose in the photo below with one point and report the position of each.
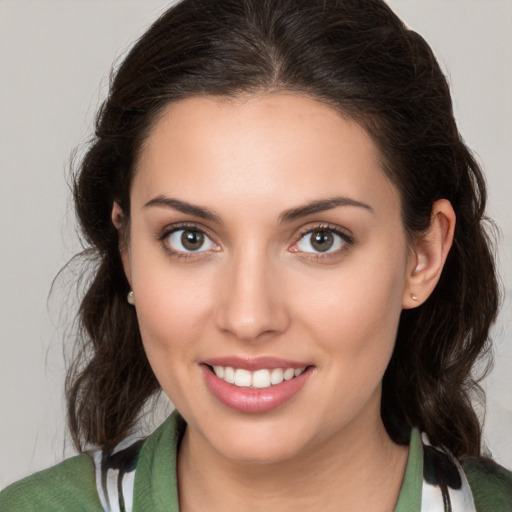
(252, 299)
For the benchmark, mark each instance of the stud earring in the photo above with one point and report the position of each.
(131, 297)
(413, 297)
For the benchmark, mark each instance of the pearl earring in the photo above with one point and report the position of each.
(414, 297)
(131, 297)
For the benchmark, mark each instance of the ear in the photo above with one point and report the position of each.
(428, 254)
(118, 219)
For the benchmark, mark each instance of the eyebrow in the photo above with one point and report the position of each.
(184, 207)
(287, 216)
(321, 206)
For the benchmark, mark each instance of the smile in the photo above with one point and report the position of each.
(254, 385)
(259, 379)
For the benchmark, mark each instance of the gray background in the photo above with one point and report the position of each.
(55, 58)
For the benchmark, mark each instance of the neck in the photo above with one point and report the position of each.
(336, 475)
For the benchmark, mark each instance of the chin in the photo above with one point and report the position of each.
(263, 443)
(259, 453)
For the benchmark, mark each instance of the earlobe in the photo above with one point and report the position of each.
(117, 215)
(428, 255)
(118, 219)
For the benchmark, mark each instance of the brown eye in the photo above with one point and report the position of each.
(322, 241)
(189, 240)
(192, 240)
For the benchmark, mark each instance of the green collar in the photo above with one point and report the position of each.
(409, 498)
(156, 486)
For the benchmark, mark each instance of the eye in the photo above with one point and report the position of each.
(322, 240)
(189, 240)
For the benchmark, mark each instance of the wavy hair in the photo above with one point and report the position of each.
(359, 58)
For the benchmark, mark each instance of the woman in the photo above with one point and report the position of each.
(290, 245)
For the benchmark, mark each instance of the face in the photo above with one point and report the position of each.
(269, 264)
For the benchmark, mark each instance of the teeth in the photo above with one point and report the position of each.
(258, 379)
(219, 371)
(276, 377)
(229, 375)
(243, 378)
(261, 379)
(289, 373)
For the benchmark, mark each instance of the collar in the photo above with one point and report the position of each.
(434, 481)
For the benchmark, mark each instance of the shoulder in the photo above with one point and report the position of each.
(99, 481)
(69, 485)
(491, 484)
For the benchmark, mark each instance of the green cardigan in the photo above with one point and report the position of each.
(71, 485)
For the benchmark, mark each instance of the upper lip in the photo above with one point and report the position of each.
(254, 363)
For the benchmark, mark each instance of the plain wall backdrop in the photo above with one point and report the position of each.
(55, 59)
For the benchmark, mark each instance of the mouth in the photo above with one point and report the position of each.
(255, 386)
(258, 379)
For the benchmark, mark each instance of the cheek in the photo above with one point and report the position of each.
(352, 321)
(353, 314)
(171, 320)
(171, 308)
(172, 304)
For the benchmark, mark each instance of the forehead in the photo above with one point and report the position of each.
(257, 147)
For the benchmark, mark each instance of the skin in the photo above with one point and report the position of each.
(259, 289)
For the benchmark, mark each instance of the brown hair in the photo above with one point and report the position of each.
(358, 57)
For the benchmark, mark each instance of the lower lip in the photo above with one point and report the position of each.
(252, 400)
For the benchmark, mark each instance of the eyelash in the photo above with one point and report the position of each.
(347, 240)
(168, 231)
